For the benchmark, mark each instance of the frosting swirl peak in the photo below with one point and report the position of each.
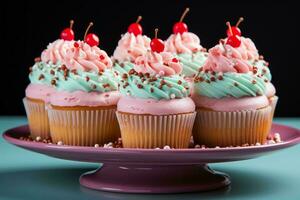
(186, 42)
(164, 64)
(77, 55)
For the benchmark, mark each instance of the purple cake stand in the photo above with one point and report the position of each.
(152, 170)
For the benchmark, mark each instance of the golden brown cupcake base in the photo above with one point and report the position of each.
(83, 126)
(37, 117)
(152, 131)
(213, 128)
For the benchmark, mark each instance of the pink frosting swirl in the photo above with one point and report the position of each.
(183, 43)
(226, 59)
(247, 50)
(164, 64)
(131, 46)
(77, 55)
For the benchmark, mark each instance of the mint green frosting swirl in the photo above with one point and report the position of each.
(154, 87)
(229, 85)
(40, 73)
(191, 63)
(85, 81)
(121, 68)
(263, 69)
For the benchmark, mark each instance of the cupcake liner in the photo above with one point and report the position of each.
(83, 127)
(273, 103)
(37, 118)
(152, 131)
(214, 128)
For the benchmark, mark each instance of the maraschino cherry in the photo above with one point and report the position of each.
(235, 29)
(91, 38)
(136, 28)
(181, 27)
(233, 40)
(68, 33)
(157, 45)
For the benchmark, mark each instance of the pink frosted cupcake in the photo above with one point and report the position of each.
(231, 101)
(82, 110)
(156, 109)
(39, 90)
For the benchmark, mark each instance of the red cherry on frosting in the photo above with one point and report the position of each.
(157, 45)
(235, 29)
(234, 41)
(181, 27)
(68, 33)
(136, 28)
(91, 38)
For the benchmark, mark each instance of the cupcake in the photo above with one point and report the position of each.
(186, 46)
(249, 52)
(39, 90)
(131, 45)
(82, 109)
(155, 110)
(37, 95)
(230, 96)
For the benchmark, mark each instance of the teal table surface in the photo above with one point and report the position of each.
(28, 175)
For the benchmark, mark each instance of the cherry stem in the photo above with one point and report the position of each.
(184, 14)
(88, 28)
(239, 21)
(156, 32)
(139, 19)
(71, 23)
(229, 26)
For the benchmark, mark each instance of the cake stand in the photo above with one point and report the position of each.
(153, 170)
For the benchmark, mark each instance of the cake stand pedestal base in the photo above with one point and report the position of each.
(140, 178)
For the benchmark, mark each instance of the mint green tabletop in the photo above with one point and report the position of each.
(28, 175)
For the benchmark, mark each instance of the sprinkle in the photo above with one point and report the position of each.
(264, 71)
(132, 71)
(53, 82)
(167, 147)
(162, 82)
(74, 71)
(257, 144)
(151, 90)
(266, 80)
(38, 138)
(41, 77)
(206, 71)
(87, 78)
(212, 78)
(37, 59)
(125, 76)
(76, 45)
(175, 60)
(207, 81)
(213, 73)
(220, 77)
(197, 146)
(52, 72)
(261, 57)
(157, 148)
(101, 57)
(183, 90)
(140, 86)
(147, 75)
(254, 71)
(63, 67)
(172, 96)
(60, 143)
(236, 84)
(253, 81)
(161, 73)
(106, 85)
(93, 86)
(106, 95)
(179, 82)
(96, 145)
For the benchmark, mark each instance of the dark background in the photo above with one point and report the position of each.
(27, 27)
